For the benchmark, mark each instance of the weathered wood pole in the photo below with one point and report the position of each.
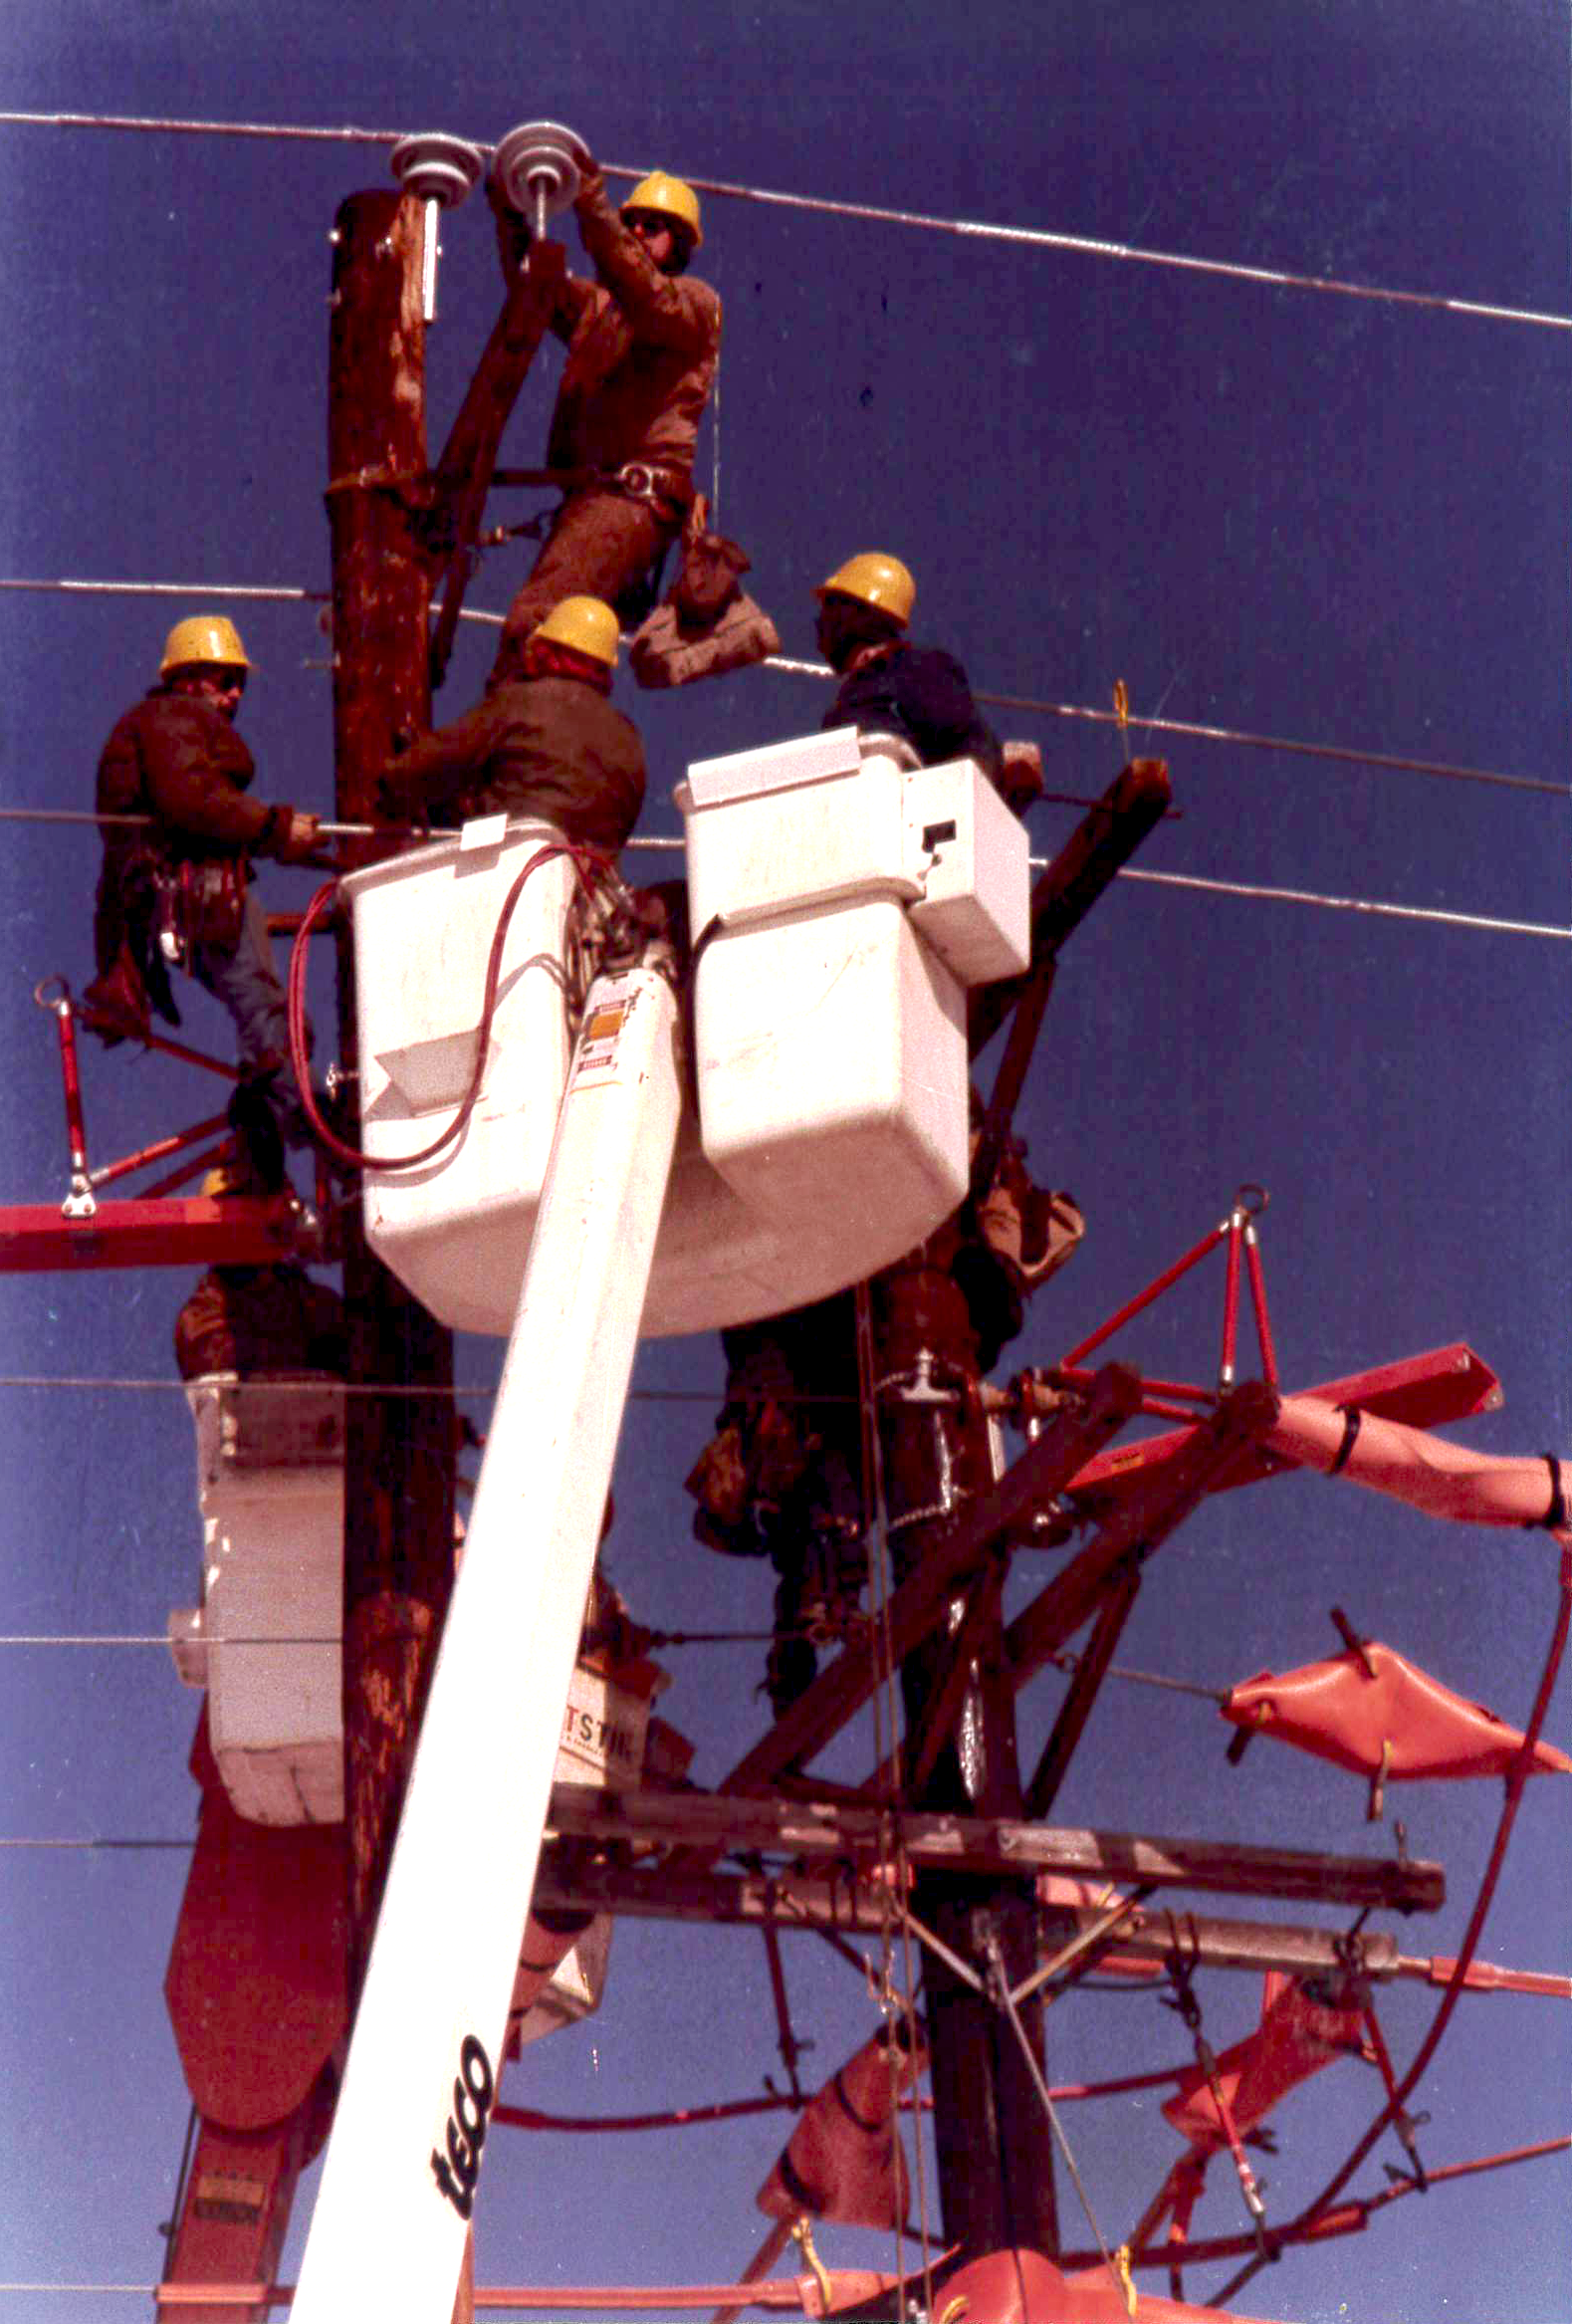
(994, 2141)
(399, 1449)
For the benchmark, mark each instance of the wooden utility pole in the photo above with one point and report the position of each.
(400, 1458)
(991, 2126)
(993, 2139)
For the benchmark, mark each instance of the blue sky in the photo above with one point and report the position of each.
(1278, 511)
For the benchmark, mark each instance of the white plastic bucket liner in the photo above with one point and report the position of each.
(841, 903)
(830, 1051)
(270, 1482)
(456, 1230)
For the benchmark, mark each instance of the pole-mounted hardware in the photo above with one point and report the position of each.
(538, 168)
(440, 171)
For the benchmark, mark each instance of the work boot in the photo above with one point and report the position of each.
(115, 1006)
(790, 1668)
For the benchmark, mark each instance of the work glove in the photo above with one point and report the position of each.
(296, 838)
(514, 233)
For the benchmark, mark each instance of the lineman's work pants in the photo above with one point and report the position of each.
(601, 544)
(245, 979)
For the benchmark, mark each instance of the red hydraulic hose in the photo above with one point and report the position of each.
(585, 862)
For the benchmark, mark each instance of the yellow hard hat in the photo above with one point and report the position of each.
(204, 637)
(669, 198)
(876, 580)
(586, 624)
(236, 1177)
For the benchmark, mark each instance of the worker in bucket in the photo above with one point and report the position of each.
(917, 693)
(546, 741)
(643, 339)
(178, 893)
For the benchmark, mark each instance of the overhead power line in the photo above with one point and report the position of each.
(1477, 922)
(975, 229)
(122, 1847)
(312, 1387)
(1344, 754)
(146, 588)
(293, 131)
(1296, 895)
(1093, 246)
(148, 1637)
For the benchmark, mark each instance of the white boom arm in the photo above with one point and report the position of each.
(388, 2233)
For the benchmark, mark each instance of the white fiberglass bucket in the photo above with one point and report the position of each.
(265, 1639)
(840, 906)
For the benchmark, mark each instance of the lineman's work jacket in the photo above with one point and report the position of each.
(922, 694)
(642, 348)
(552, 747)
(178, 759)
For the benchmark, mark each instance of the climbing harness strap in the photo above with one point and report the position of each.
(1554, 1520)
(1352, 1419)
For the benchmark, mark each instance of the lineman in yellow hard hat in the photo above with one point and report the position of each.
(585, 626)
(662, 200)
(918, 693)
(546, 742)
(203, 642)
(643, 339)
(177, 892)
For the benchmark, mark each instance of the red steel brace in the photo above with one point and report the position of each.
(1403, 2123)
(1268, 1354)
(79, 1202)
(161, 1149)
(1238, 1230)
(1230, 1300)
(209, 1158)
(53, 995)
(1144, 1300)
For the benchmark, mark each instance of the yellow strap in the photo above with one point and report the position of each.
(803, 2233)
(1121, 2263)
